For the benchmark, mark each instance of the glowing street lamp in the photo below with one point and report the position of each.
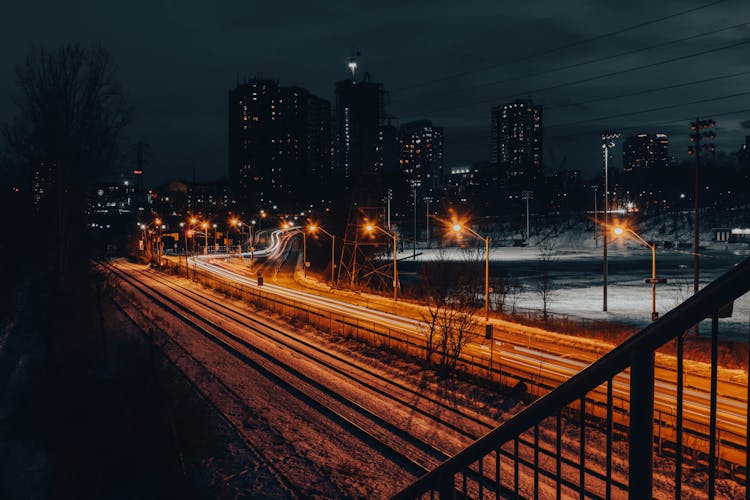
(653, 280)
(458, 228)
(313, 229)
(238, 223)
(369, 228)
(204, 226)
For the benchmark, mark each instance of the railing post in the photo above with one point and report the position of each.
(447, 489)
(641, 425)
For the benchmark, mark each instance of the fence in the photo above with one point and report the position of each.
(548, 450)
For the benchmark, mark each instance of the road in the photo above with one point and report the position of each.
(517, 353)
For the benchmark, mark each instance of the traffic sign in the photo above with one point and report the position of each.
(655, 280)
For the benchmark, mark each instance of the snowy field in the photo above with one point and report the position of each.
(576, 271)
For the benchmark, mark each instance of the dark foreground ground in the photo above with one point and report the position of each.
(96, 413)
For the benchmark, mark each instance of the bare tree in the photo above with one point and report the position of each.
(450, 317)
(545, 285)
(450, 327)
(71, 111)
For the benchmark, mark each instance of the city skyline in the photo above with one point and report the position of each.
(452, 70)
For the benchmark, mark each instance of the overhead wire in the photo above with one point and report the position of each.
(588, 79)
(591, 61)
(559, 48)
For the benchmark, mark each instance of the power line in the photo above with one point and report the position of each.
(588, 79)
(646, 91)
(649, 110)
(651, 124)
(558, 49)
(591, 61)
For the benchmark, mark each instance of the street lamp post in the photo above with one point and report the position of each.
(370, 228)
(304, 253)
(654, 280)
(414, 186)
(204, 226)
(527, 195)
(608, 142)
(596, 219)
(216, 237)
(313, 229)
(389, 197)
(427, 200)
(458, 228)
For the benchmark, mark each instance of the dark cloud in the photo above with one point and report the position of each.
(745, 124)
(178, 60)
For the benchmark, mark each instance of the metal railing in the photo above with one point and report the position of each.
(574, 441)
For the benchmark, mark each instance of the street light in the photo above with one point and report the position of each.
(370, 228)
(458, 228)
(654, 280)
(237, 222)
(608, 142)
(204, 226)
(313, 229)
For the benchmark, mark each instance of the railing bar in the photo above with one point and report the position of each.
(608, 480)
(515, 466)
(481, 476)
(558, 456)
(582, 450)
(498, 459)
(678, 437)
(712, 414)
(536, 461)
(563, 482)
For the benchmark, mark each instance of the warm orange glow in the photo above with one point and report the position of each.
(618, 231)
(312, 228)
(235, 222)
(369, 228)
(157, 221)
(204, 225)
(193, 220)
(457, 228)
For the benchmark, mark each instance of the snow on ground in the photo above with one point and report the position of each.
(576, 269)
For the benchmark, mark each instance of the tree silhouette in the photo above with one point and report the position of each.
(71, 112)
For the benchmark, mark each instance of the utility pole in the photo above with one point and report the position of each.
(608, 142)
(596, 218)
(389, 197)
(697, 135)
(415, 185)
(427, 200)
(527, 195)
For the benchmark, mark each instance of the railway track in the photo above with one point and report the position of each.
(441, 415)
(384, 437)
(165, 343)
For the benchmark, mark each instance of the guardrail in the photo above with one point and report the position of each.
(531, 455)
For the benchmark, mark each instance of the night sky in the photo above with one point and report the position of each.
(446, 61)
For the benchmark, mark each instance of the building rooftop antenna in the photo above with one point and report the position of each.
(351, 63)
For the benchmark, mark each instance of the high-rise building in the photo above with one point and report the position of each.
(279, 143)
(422, 155)
(359, 117)
(516, 142)
(642, 152)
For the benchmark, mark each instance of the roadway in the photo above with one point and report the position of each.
(542, 359)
